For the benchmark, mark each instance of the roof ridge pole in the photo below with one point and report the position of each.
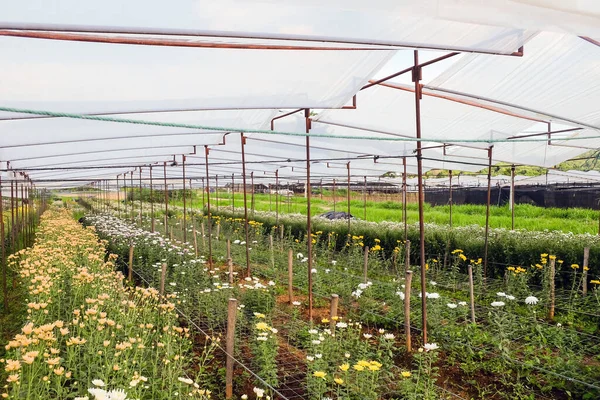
(487, 214)
(246, 228)
(348, 195)
(209, 216)
(416, 77)
(184, 203)
(308, 219)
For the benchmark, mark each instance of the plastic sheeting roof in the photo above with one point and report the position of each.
(233, 82)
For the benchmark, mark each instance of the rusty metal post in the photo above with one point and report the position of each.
(118, 198)
(232, 195)
(132, 197)
(166, 198)
(348, 195)
(184, 201)
(151, 202)
(216, 192)
(512, 197)
(308, 216)
(365, 199)
(203, 200)
(277, 197)
(209, 216)
(4, 287)
(252, 193)
(404, 200)
(141, 203)
(487, 214)
(450, 195)
(334, 195)
(416, 77)
(246, 227)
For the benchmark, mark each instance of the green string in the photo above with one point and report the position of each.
(269, 132)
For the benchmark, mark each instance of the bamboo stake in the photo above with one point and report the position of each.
(195, 241)
(231, 315)
(586, 257)
(333, 311)
(163, 277)
(365, 264)
(407, 256)
(272, 252)
(471, 294)
(407, 286)
(130, 274)
(228, 249)
(291, 275)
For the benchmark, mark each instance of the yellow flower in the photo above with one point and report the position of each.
(358, 367)
(319, 374)
(363, 363)
(13, 378)
(261, 326)
(116, 367)
(575, 266)
(346, 367)
(325, 320)
(339, 381)
(462, 257)
(595, 281)
(406, 374)
(59, 371)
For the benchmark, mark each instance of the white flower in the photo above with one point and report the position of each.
(433, 295)
(305, 259)
(313, 331)
(244, 397)
(310, 358)
(389, 336)
(497, 304)
(98, 382)
(117, 394)
(432, 283)
(430, 346)
(333, 262)
(172, 284)
(357, 293)
(531, 300)
(367, 335)
(341, 325)
(558, 325)
(501, 294)
(242, 243)
(318, 355)
(452, 305)
(99, 394)
(185, 380)
(462, 303)
(509, 297)
(327, 270)
(81, 398)
(299, 256)
(316, 342)
(401, 294)
(313, 271)
(271, 283)
(237, 241)
(259, 392)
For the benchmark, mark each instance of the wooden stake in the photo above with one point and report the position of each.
(195, 241)
(281, 232)
(471, 294)
(407, 285)
(407, 256)
(272, 252)
(231, 314)
(333, 311)
(291, 275)
(552, 294)
(230, 269)
(171, 233)
(130, 274)
(218, 231)
(203, 237)
(365, 264)
(586, 258)
(228, 255)
(163, 277)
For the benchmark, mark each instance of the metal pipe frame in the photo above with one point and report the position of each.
(487, 214)
(308, 217)
(184, 201)
(246, 224)
(209, 215)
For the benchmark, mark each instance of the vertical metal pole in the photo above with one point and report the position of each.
(166, 198)
(132, 198)
(4, 288)
(416, 79)
(487, 213)
(308, 217)
(141, 209)
(404, 200)
(118, 198)
(243, 141)
(277, 197)
(232, 194)
(216, 191)
(209, 219)
(348, 216)
(203, 200)
(184, 201)
(450, 196)
(365, 199)
(12, 215)
(22, 225)
(151, 202)
(334, 195)
(252, 195)
(512, 197)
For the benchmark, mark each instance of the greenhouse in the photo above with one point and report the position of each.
(316, 200)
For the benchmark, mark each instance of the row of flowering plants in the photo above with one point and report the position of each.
(87, 334)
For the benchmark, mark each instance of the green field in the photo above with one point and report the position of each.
(576, 220)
